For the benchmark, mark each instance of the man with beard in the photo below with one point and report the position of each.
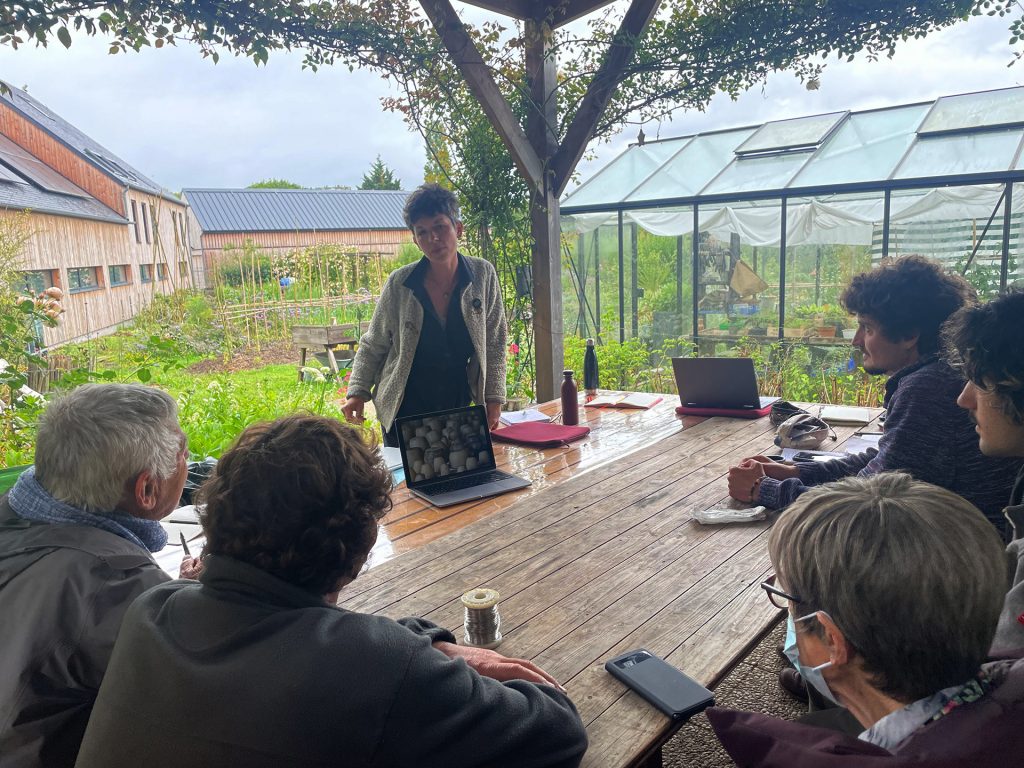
(900, 308)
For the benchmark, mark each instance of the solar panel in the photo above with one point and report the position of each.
(35, 170)
(8, 175)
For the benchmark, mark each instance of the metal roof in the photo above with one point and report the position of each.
(290, 210)
(965, 138)
(86, 147)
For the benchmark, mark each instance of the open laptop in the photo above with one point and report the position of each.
(723, 383)
(448, 457)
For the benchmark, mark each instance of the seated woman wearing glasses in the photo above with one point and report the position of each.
(893, 589)
(256, 666)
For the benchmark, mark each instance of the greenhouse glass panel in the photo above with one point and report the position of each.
(788, 134)
(747, 174)
(960, 227)
(976, 110)
(738, 278)
(1015, 260)
(829, 240)
(953, 155)
(687, 173)
(866, 147)
(625, 173)
(590, 283)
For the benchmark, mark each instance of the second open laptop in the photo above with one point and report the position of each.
(448, 457)
(719, 383)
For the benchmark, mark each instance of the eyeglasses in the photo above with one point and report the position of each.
(777, 597)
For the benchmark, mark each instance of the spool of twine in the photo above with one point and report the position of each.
(482, 620)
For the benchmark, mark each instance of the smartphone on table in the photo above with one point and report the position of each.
(674, 693)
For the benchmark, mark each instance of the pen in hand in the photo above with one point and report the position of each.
(184, 544)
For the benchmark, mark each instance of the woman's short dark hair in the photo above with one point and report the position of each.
(907, 296)
(299, 498)
(912, 574)
(429, 200)
(987, 342)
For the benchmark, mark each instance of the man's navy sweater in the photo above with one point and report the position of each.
(927, 435)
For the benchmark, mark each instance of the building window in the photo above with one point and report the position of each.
(120, 274)
(161, 271)
(174, 226)
(156, 233)
(83, 279)
(146, 273)
(37, 281)
(145, 222)
(183, 268)
(181, 226)
(135, 222)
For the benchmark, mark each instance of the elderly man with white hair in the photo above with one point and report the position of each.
(76, 535)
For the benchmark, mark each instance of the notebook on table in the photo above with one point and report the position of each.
(448, 457)
(719, 386)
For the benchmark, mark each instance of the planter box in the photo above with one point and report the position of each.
(826, 331)
(794, 333)
(849, 333)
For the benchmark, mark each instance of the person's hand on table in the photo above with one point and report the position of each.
(744, 480)
(190, 568)
(353, 409)
(774, 469)
(495, 666)
(493, 415)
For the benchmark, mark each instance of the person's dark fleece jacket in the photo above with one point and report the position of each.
(244, 669)
(987, 733)
(927, 435)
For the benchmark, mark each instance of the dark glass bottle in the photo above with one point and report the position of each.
(570, 402)
(590, 371)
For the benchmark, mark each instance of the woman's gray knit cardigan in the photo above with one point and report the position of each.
(381, 368)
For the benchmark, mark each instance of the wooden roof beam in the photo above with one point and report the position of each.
(555, 13)
(600, 91)
(467, 58)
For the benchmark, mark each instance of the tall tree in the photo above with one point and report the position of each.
(380, 177)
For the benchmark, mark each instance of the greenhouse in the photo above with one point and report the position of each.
(785, 213)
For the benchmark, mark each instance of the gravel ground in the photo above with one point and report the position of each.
(752, 685)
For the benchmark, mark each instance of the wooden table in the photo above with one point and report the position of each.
(598, 557)
(323, 339)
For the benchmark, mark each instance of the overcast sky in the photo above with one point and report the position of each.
(186, 122)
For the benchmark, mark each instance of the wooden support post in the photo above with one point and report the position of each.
(541, 126)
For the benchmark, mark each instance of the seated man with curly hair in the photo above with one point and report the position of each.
(255, 665)
(900, 309)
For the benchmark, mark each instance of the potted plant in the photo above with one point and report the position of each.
(516, 382)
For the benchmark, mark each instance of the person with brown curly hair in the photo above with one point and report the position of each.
(256, 665)
(985, 342)
(900, 308)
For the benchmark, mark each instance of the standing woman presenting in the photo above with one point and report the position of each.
(438, 335)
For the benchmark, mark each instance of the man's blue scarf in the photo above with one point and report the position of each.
(31, 501)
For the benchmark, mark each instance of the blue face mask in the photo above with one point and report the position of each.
(812, 675)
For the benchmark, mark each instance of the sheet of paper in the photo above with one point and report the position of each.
(521, 417)
(392, 457)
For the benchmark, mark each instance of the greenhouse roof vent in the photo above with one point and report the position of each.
(800, 133)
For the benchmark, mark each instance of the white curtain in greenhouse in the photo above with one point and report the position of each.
(837, 221)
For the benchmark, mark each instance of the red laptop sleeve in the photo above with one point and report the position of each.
(738, 413)
(539, 434)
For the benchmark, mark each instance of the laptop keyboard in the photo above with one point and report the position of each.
(468, 481)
